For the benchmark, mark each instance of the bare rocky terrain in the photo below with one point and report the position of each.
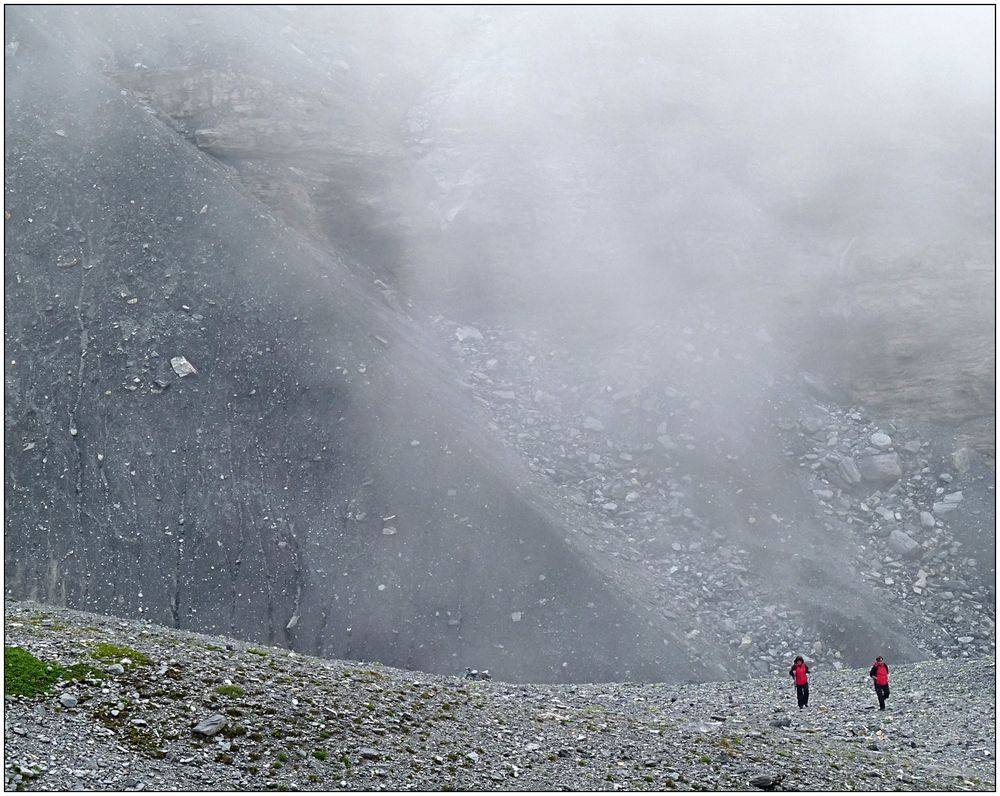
(605, 456)
(327, 348)
(177, 710)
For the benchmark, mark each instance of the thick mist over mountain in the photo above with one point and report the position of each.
(589, 343)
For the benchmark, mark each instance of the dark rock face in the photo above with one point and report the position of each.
(211, 424)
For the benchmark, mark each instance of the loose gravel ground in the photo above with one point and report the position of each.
(291, 722)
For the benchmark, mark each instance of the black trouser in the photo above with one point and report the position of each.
(802, 693)
(883, 693)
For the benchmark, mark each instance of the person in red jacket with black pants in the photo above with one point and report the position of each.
(880, 673)
(800, 672)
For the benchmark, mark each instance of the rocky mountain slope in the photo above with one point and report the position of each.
(148, 708)
(503, 169)
(315, 345)
(648, 469)
(214, 424)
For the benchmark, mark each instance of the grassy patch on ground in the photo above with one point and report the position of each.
(82, 671)
(230, 690)
(26, 675)
(115, 652)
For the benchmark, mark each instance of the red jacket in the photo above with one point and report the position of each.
(800, 672)
(880, 672)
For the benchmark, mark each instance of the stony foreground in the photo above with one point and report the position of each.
(285, 721)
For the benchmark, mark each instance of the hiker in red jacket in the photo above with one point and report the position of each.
(880, 674)
(800, 672)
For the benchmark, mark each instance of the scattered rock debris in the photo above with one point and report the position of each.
(200, 712)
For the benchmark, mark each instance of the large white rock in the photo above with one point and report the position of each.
(881, 468)
(881, 440)
(182, 367)
(210, 726)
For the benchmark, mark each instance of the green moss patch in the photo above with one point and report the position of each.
(82, 671)
(115, 652)
(26, 675)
